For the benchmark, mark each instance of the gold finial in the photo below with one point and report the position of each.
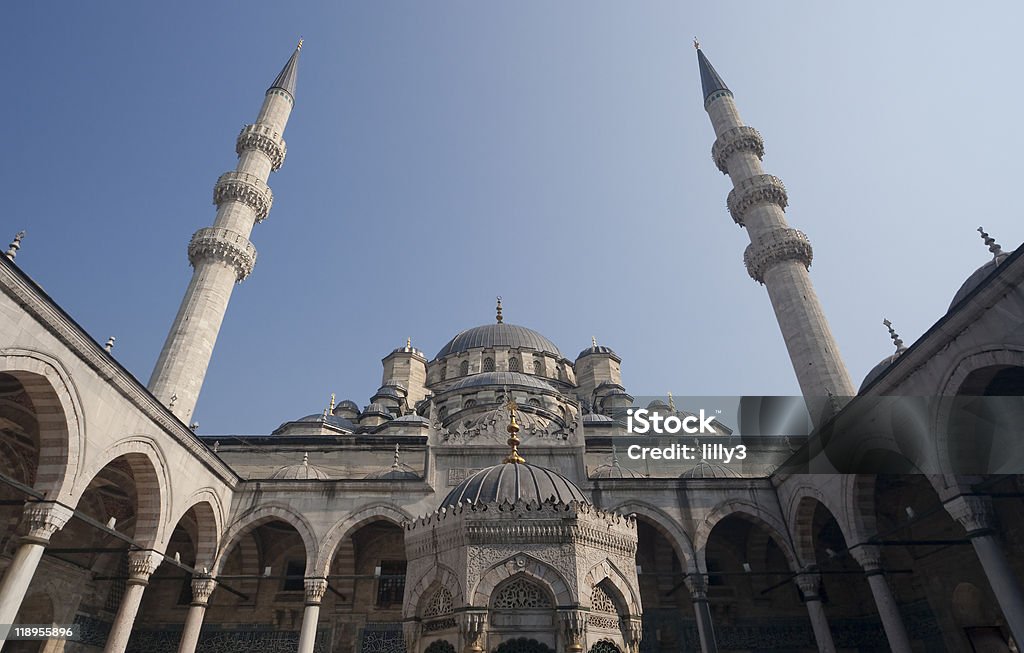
(671, 403)
(331, 409)
(408, 344)
(301, 41)
(696, 43)
(513, 437)
(500, 320)
(593, 341)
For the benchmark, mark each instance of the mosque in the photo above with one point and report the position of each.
(482, 499)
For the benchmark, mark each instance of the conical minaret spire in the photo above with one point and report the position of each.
(778, 256)
(222, 255)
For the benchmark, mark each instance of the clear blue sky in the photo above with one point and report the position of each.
(556, 153)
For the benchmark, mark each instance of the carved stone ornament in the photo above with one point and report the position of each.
(697, 586)
(808, 584)
(315, 588)
(774, 247)
(974, 513)
(45, 519)
(202, 588)
(264, 139)
(574, 627)
(142, 564)
(472, 625)
(869, 557)
(737, 139)
(759, 189)
(231, 247)
(247, 189)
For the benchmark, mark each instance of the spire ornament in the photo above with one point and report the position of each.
(993, 246)
(110, 344)
(15, 245)
(896, 340)
(593, 341)
(396, 465)
(301, 41)
(331, 408)
(513, 436)
(671, 403)
(696, 43)
(499, 317)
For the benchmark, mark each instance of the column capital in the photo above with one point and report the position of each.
(202, 588)
(698, 587)
(973, 512)
(809, 582)
(315, 589)
(44, 518)
(472, 625)
(574, 626)
(632, 629)
(869, 557)
(141, 565)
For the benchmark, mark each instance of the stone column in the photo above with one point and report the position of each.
(869, 557)
(44, 519)
(975, 514)
(632, 627)
(141, 565)
(698, 592)
(809, 584)
(202, 588)
(472, 627)
(315, 588)
(574, 629)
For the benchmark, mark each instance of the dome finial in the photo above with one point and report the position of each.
(408, 344)
(15, 245)
(500, 319)
(396, 465)
(301, 41)
(615, 456)
(305, 459)
(696, 43)
(993, 246)
(331, 409)
(896, 340)
(671, 403)
(513, 437)
(593, 341)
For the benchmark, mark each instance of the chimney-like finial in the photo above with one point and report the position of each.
(305, 458)
(395, 465)
(896, 340)
(331, 409)
(593, 341)
(110, 344)
(993, 246)
(513, 436)
(671, 403)
(12, 249)
(500, 318)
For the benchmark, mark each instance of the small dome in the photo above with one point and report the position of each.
(705, 469)
(877, 370)
(976, 278)
(598, 349)
(411, 418)
(500, 379)
(389, 392)
(376, 409)
(511, 482)
(500, 335)
(597, 419)
(301, 472)
(615, 470)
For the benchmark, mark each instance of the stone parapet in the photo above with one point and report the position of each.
(737, 139)
(774, 247)
(229, 246)
(265, 139)
(759, 189)
(247, 189)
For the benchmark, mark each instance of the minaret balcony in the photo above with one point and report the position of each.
(737, 139)
(264, 139)
(225, 245)
(759, 189)
(247, 189)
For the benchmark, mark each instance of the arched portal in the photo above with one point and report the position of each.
(522, 615)
(523, 645)
(983, 432)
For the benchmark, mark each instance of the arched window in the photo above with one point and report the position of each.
(469, 403)
(464, 368)
(444, 372)
(538, 367)
(440, 603)
(513, 364)
(488, 365)
(534, 402)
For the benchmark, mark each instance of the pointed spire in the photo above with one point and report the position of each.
(710, 81)
(993, 246)
(896, 340)
(289, 74)
(500, 318)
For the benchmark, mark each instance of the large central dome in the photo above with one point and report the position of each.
(499, 335)
(511, 482)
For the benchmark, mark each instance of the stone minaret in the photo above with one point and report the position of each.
(778, 256)
(222, 255)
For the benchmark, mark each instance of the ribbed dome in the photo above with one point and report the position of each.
(598, 349)
(976, 278)
(500, 379)
(705, 469)
(499, 335)
(511, 482)
(301, 472)
(877, 370)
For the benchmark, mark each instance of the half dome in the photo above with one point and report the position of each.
(500, 379)
(500, 335)
(511, 482)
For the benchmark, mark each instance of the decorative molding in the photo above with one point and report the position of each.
(869, 557)
(141, 565)
(264, 139)
(315, 589)
(759, 189)
(775, 247)
(202, 588)
(45, 519)
(737, 139)
(973, 512)
(808, 584)
(247, 189)
(229, 246)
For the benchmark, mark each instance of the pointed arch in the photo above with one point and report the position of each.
(606, 571)
(527, 566)
(253, 518)
(772, 524)
(667, 526)
(353, 522)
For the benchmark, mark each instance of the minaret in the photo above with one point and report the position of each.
(778, 256)
(222, 255)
